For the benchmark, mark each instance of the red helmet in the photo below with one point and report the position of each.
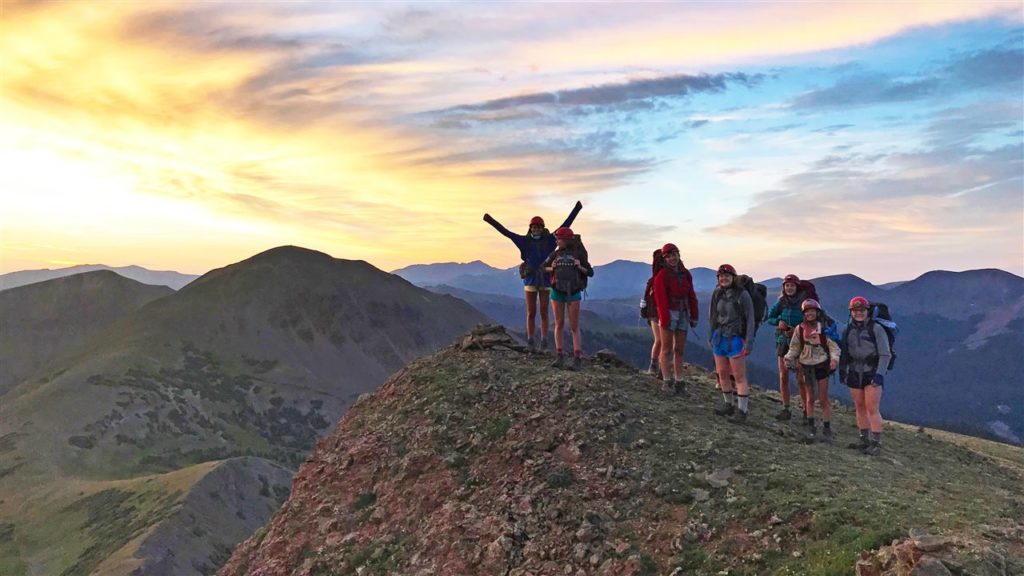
(859, 303)
(564, 232)
(791, 279)
(726, 269)
(810, 304)
(669, 248)
(536, 220)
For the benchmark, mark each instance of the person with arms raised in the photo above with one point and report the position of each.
(534, 247)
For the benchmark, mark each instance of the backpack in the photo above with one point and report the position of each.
(879, 314)
(807, 287)
(758, 295)
(569, 279)
(647, 302)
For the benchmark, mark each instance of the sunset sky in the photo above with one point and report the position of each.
(884, 139)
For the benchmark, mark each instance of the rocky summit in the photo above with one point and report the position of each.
(481, 459)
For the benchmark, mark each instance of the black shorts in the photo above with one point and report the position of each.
(781, 350)
(858, 381)
(819, 372)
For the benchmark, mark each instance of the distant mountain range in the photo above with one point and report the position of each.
(617, 279)
(255, 359)
(175, 280)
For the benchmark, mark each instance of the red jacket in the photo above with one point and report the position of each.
(670, 289)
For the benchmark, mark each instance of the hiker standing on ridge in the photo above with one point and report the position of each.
(569, 267)
(862, 367)
(676, 302)
(534, 247)
(649, 312)
(817, 355)
(785, 315)
(731, 320)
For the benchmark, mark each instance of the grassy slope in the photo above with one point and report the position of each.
(69, 526)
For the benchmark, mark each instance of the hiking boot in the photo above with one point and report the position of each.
(738, 417)
(680, 388)
(784, 415)
(860, 444)
(725, 409)
(531, 346)
(577, 363)
(543, 346)
(812, 432)
(559, 361)
(667, 388)
(826, 436)
(873, 449)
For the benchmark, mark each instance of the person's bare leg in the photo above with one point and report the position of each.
(531, 315)
(559, 324)
(574, 327)
(724, 371)
(678, 349)
(544, 304)
(656, 347)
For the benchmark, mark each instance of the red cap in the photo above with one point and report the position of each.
(667, 248)
(536, 220)
(791, 279)
(726, 269)
(564, 232)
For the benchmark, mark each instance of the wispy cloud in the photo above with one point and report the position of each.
(618, 94)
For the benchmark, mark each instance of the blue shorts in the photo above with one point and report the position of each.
(563, 297)
(730, 347)
(678, 322)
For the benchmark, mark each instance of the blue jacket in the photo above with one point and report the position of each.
(534, 250)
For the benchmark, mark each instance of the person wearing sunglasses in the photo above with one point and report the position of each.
(862, 367)
(534, 247)
(730, 321)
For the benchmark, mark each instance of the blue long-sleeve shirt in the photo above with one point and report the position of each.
(534, 249)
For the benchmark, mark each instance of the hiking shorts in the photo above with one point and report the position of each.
(564, 297)
(532, 288)
(816, 372)
(859, 381)
(730, 347)
(781, 349)
(678, 322)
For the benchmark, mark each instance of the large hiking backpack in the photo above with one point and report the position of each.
(647, 305)
(879, 313)
(567, 278)
(758, 295)
(807, 287)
